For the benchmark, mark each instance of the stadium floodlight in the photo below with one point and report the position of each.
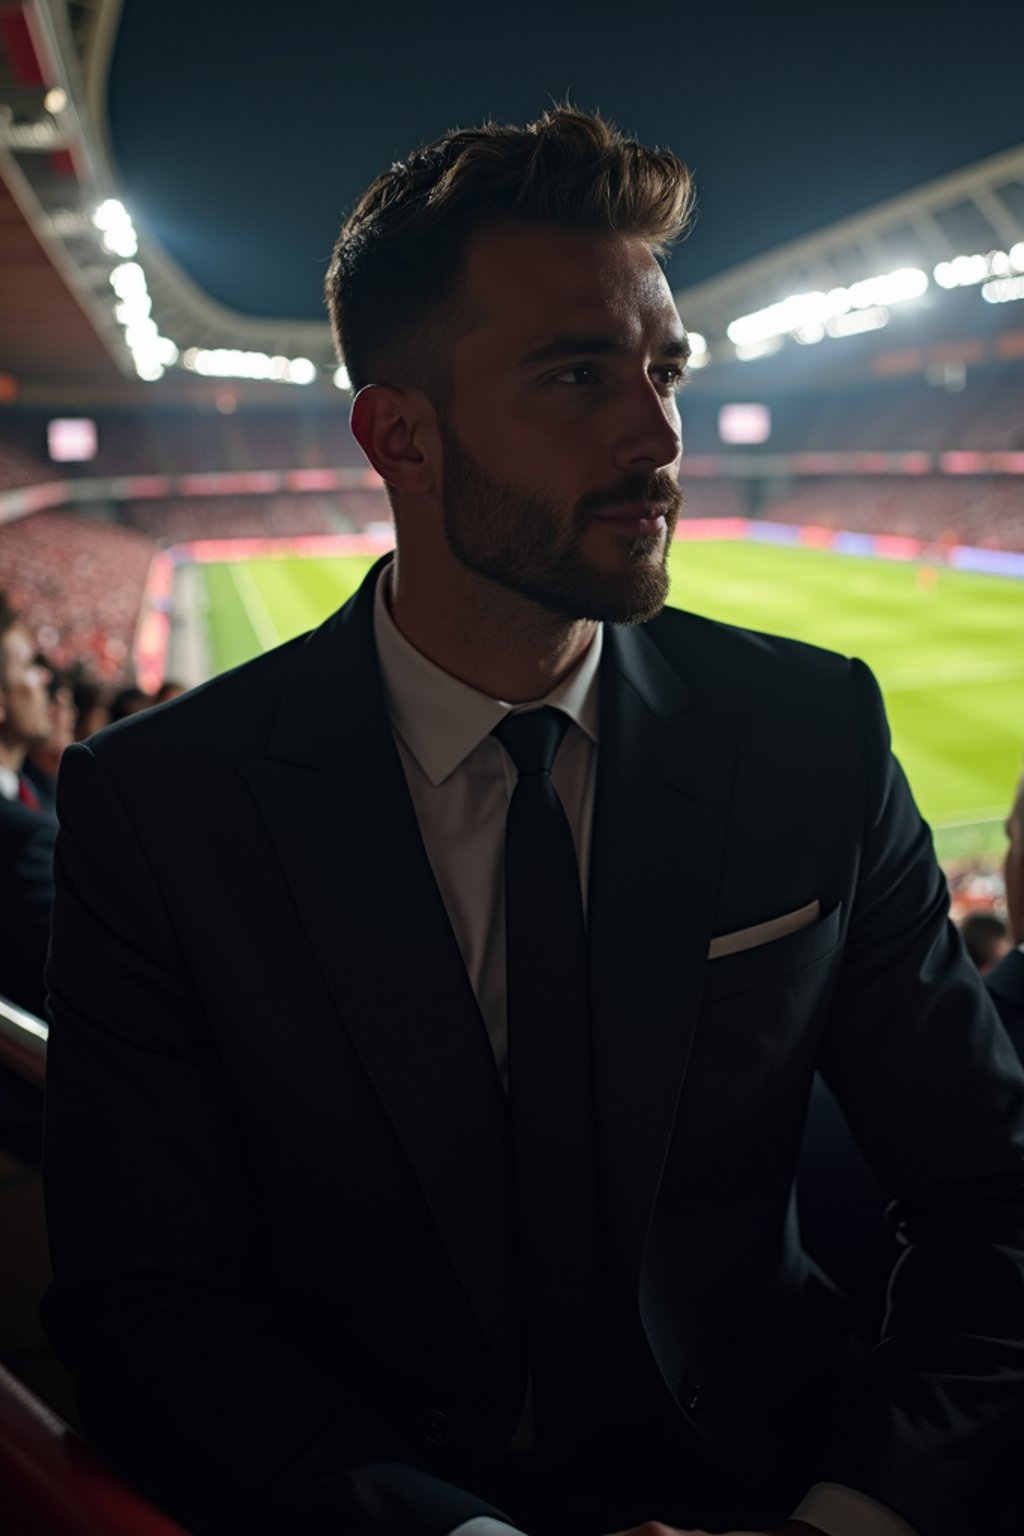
(138, 307)
(749, 351)
(700, 356)
(232, 363)
(121, 242)
(55, 100)
(858, 321)
(803, 314)
(1003, 290)
(892, 288)
(128, 279)
(341, 378)
(968, 271)
(110, 214)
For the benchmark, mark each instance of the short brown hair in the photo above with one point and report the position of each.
(392, 286)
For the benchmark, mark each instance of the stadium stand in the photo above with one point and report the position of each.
(239, 517)
(980, 510)
(78, 584)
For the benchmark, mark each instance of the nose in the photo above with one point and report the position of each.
(649, 436)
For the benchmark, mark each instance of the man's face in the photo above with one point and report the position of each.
(24, 701)
(561, 442)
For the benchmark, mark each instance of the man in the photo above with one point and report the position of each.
(42, 763)
(1005, 981)
(28, 826)
(986, 939)
(28, 829)
(292, 1233)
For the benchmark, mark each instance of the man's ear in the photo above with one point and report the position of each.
(395, 428)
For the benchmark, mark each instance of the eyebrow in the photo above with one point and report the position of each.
(598, 346)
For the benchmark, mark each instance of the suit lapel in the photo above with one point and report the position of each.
(663, 788)
(332, 792)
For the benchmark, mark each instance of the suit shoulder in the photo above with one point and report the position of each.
(746, 659)
(228, 714)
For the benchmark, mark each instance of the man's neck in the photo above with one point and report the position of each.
(12, 755)
(492, 639)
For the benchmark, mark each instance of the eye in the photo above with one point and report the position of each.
(578, 374)
(670, 377)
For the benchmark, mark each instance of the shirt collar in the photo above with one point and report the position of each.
(440, 719)
(9, 784)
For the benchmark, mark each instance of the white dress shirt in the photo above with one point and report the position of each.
(461, 780)
(10, 784)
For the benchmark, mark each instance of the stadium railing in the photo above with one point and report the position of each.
(22, 1042)
(52, 1484)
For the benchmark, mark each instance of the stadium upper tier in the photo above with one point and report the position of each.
(985, 413)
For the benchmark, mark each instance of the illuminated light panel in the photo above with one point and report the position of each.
(744, 423)
(749, 351)
(231, 363)
(151, 353)
(802, 314)
(1003, 290)
(858, 321)
(969, 271)
(700, 354)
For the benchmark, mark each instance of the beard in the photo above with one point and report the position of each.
(524, 543)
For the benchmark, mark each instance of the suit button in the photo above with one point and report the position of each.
(436, 1427)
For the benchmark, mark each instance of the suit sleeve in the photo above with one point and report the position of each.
(156, 1297)
(935, 1096)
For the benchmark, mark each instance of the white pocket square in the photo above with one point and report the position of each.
(764, 933)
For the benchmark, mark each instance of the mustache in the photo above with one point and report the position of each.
(659, 487)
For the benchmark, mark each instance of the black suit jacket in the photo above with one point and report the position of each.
(26, 896)
(277, 1168)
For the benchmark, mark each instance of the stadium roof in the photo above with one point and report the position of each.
(964, 230)
(62, 320)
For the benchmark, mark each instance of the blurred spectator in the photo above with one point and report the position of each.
(169, 689)
(91, 708)
(28, 830)
(78, 584)
(42, 762)
(986, 938)
(130, 701)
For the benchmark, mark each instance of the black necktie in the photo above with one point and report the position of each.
(550, 1087)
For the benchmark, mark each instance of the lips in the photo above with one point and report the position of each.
(642, 517)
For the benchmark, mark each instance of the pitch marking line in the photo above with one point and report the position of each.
(255, 605)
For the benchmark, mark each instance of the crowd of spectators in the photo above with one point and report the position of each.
(184, 519)
(78, 585)
(985, 511)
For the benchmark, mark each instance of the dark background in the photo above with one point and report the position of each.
(242, 132)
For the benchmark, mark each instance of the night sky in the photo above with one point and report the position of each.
(241, 132)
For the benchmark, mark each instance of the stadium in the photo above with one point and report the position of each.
(179, 492)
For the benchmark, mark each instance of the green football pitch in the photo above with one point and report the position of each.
(947, 647)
